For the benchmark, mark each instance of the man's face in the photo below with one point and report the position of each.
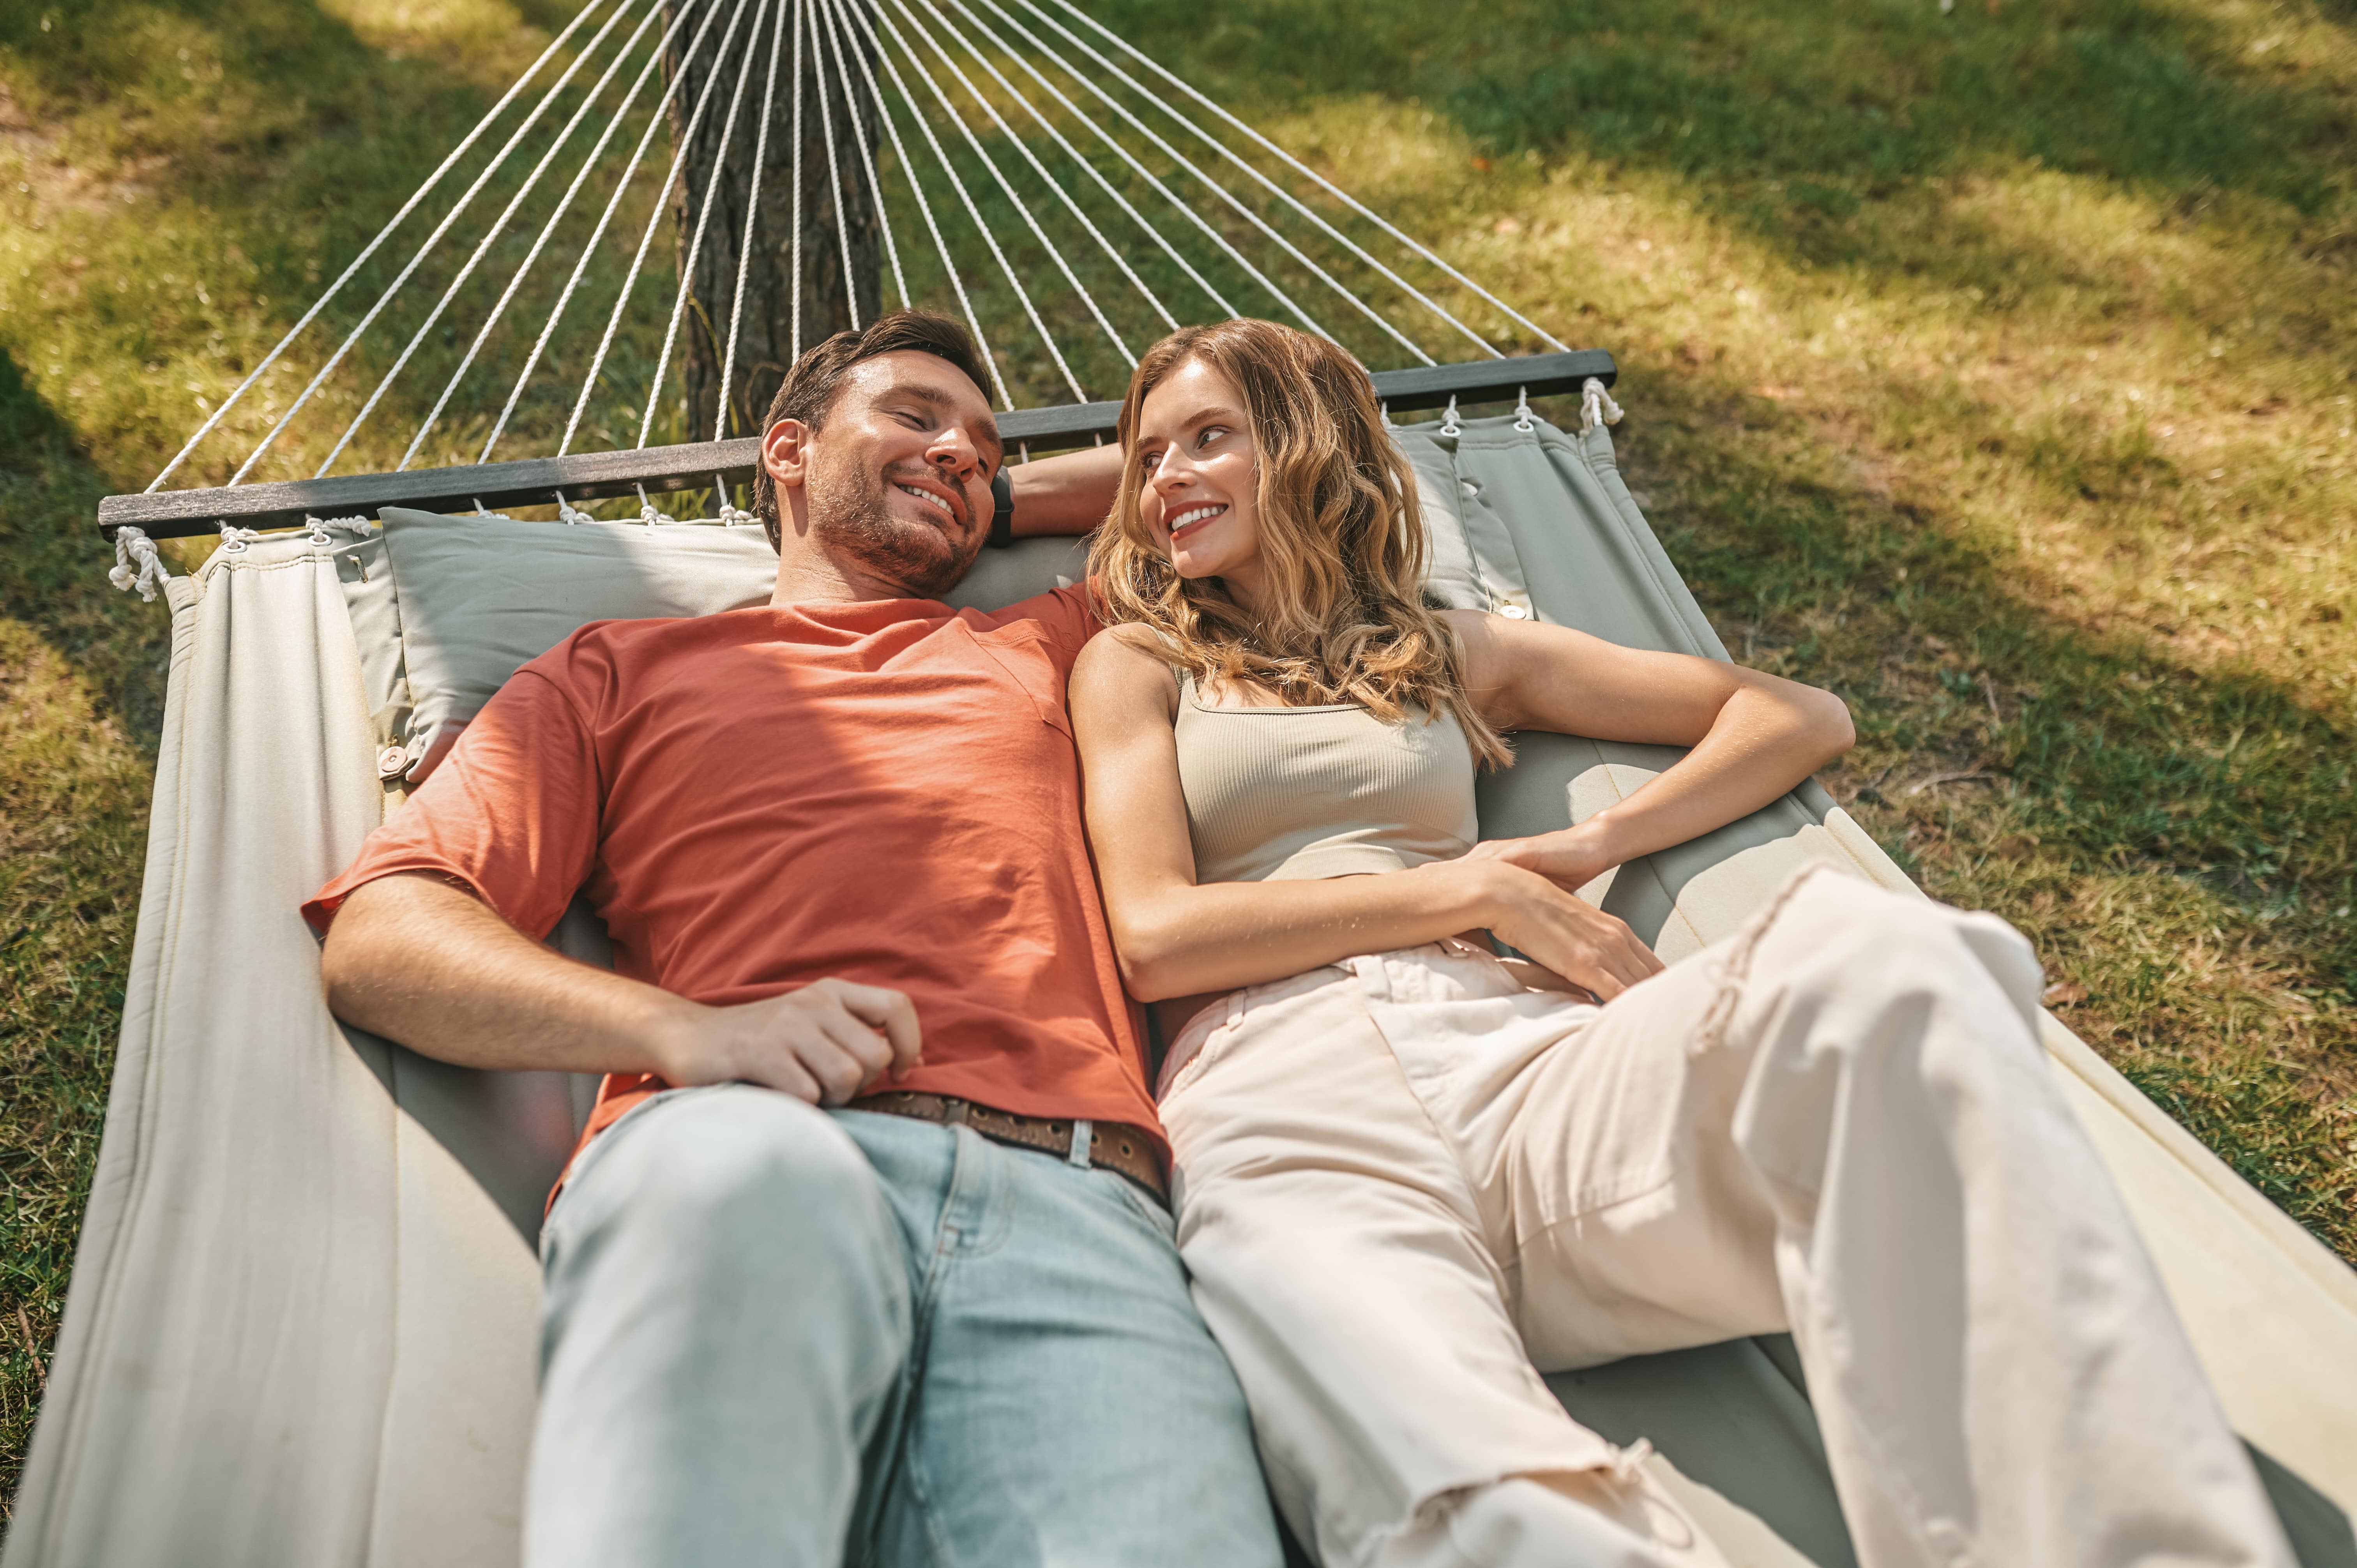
(896, 481)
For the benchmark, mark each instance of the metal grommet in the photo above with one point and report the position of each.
(1513, 612)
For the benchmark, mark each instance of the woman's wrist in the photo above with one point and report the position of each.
(1484, 891)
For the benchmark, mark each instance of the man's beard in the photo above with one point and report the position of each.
(852, 513)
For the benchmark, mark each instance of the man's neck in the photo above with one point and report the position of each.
(807, 575)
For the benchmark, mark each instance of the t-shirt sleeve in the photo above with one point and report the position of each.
(513, 812)
(1064, 614)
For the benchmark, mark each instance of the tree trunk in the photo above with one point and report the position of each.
(765, 341)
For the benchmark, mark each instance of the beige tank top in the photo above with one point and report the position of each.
(1291, 794)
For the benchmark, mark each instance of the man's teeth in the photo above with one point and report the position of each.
(1195, 515)
(926, 496)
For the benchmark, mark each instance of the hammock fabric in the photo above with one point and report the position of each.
(303, 1321)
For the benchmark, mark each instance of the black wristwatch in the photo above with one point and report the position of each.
(1002, 513)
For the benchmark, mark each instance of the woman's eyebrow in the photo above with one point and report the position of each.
(1217, 414)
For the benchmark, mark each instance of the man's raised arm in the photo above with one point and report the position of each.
(1069, 493)
(418, 960)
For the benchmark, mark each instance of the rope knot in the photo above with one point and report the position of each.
(1595, 405)
(137, 567)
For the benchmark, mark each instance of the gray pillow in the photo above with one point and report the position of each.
(482, 595)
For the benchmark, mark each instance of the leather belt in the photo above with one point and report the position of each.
(1115, 1146)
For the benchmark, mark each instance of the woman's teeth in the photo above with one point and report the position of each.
(1194, 515)
(926, 497)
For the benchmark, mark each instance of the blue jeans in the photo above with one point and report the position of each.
(775, 1334)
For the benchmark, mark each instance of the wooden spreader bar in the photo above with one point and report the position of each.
(589, 476)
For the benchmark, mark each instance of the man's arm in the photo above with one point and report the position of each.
(417, 960)
(1069, 493)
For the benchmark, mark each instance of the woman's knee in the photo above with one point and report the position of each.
(1841, 931)
(1593, 1519)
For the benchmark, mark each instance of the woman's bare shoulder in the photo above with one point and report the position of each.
(1126, 659)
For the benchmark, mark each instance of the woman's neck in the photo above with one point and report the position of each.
(1243, 585)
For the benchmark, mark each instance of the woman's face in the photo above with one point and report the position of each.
(1194, 447)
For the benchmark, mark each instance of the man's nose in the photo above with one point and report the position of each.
(950, 450)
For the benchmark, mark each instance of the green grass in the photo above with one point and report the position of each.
(1994, 369)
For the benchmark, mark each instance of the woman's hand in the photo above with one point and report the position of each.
(1578, 941)
(1571, 857)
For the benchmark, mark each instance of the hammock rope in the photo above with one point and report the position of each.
(417, 261)
(924, 208)
(1178, 203)
(1047, 180)
(483, 333)
(1290, 201)
(965, 199)
(833, 176)
(1075, 111)
(1028, 128)
(753, 209)
(589, 250)
(655, 221)
(370, 249)
(866, 159)
(499, 227)
(1049, 126)
(704, 222)
(1327, 186)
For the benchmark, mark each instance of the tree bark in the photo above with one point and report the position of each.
(831, 296)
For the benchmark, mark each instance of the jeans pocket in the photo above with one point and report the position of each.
(1164, 1223)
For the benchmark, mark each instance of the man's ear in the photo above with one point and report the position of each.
(785, 453)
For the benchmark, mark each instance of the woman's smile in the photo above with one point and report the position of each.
(1194, 516)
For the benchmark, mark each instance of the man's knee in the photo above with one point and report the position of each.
(737, 1171)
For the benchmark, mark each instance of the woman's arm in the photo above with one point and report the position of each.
(1176, 938)
(1753, 735)
(1069, 493)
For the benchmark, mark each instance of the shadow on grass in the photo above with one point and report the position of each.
(2220, 795)
(1838, 105)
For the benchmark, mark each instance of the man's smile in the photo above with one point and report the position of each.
(933, 494)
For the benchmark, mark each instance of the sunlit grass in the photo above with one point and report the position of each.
(1994, 368)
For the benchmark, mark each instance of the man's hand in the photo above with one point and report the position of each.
(417, 960)
(821, 1044)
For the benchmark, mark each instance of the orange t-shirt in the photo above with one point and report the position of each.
(884, 792)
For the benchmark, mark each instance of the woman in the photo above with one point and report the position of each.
(1410, 1170)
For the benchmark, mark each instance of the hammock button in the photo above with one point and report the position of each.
(391, 762)
(1513, 612)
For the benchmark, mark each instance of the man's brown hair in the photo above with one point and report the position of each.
(809, 392)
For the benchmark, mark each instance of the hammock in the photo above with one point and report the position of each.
(304, 1317)
(303, 1320)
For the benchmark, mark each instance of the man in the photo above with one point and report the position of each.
(866, 1254)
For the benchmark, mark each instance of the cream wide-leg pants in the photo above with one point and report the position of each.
(1406, 1182)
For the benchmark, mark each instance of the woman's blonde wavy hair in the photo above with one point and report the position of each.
(1342, 542)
